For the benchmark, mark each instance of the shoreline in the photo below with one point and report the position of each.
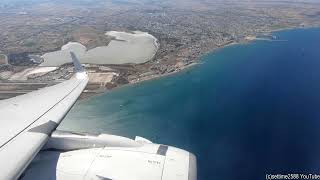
(154, 77)
(198, 61)
(158, 76)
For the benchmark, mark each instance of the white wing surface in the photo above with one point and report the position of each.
(28, 120)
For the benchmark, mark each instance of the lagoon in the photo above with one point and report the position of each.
(125, 48)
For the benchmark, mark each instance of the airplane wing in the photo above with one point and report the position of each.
(27, 121)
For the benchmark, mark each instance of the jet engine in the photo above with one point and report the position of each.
(69, 155)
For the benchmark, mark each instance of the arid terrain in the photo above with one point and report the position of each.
(185, 29)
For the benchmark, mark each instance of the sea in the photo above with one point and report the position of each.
(247, 111)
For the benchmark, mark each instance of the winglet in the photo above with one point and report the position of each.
(77, 65)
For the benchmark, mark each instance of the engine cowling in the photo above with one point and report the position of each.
(86, 156)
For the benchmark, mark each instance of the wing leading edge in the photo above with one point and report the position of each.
(28, 120)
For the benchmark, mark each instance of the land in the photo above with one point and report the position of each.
(185, 29)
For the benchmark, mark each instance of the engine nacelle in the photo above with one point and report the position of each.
(86, 156)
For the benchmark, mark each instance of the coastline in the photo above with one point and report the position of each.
(244, 40)
(158, 76)
(149, 78)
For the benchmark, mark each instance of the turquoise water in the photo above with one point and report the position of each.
(247, 111)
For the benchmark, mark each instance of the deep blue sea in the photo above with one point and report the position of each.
(246, 111)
